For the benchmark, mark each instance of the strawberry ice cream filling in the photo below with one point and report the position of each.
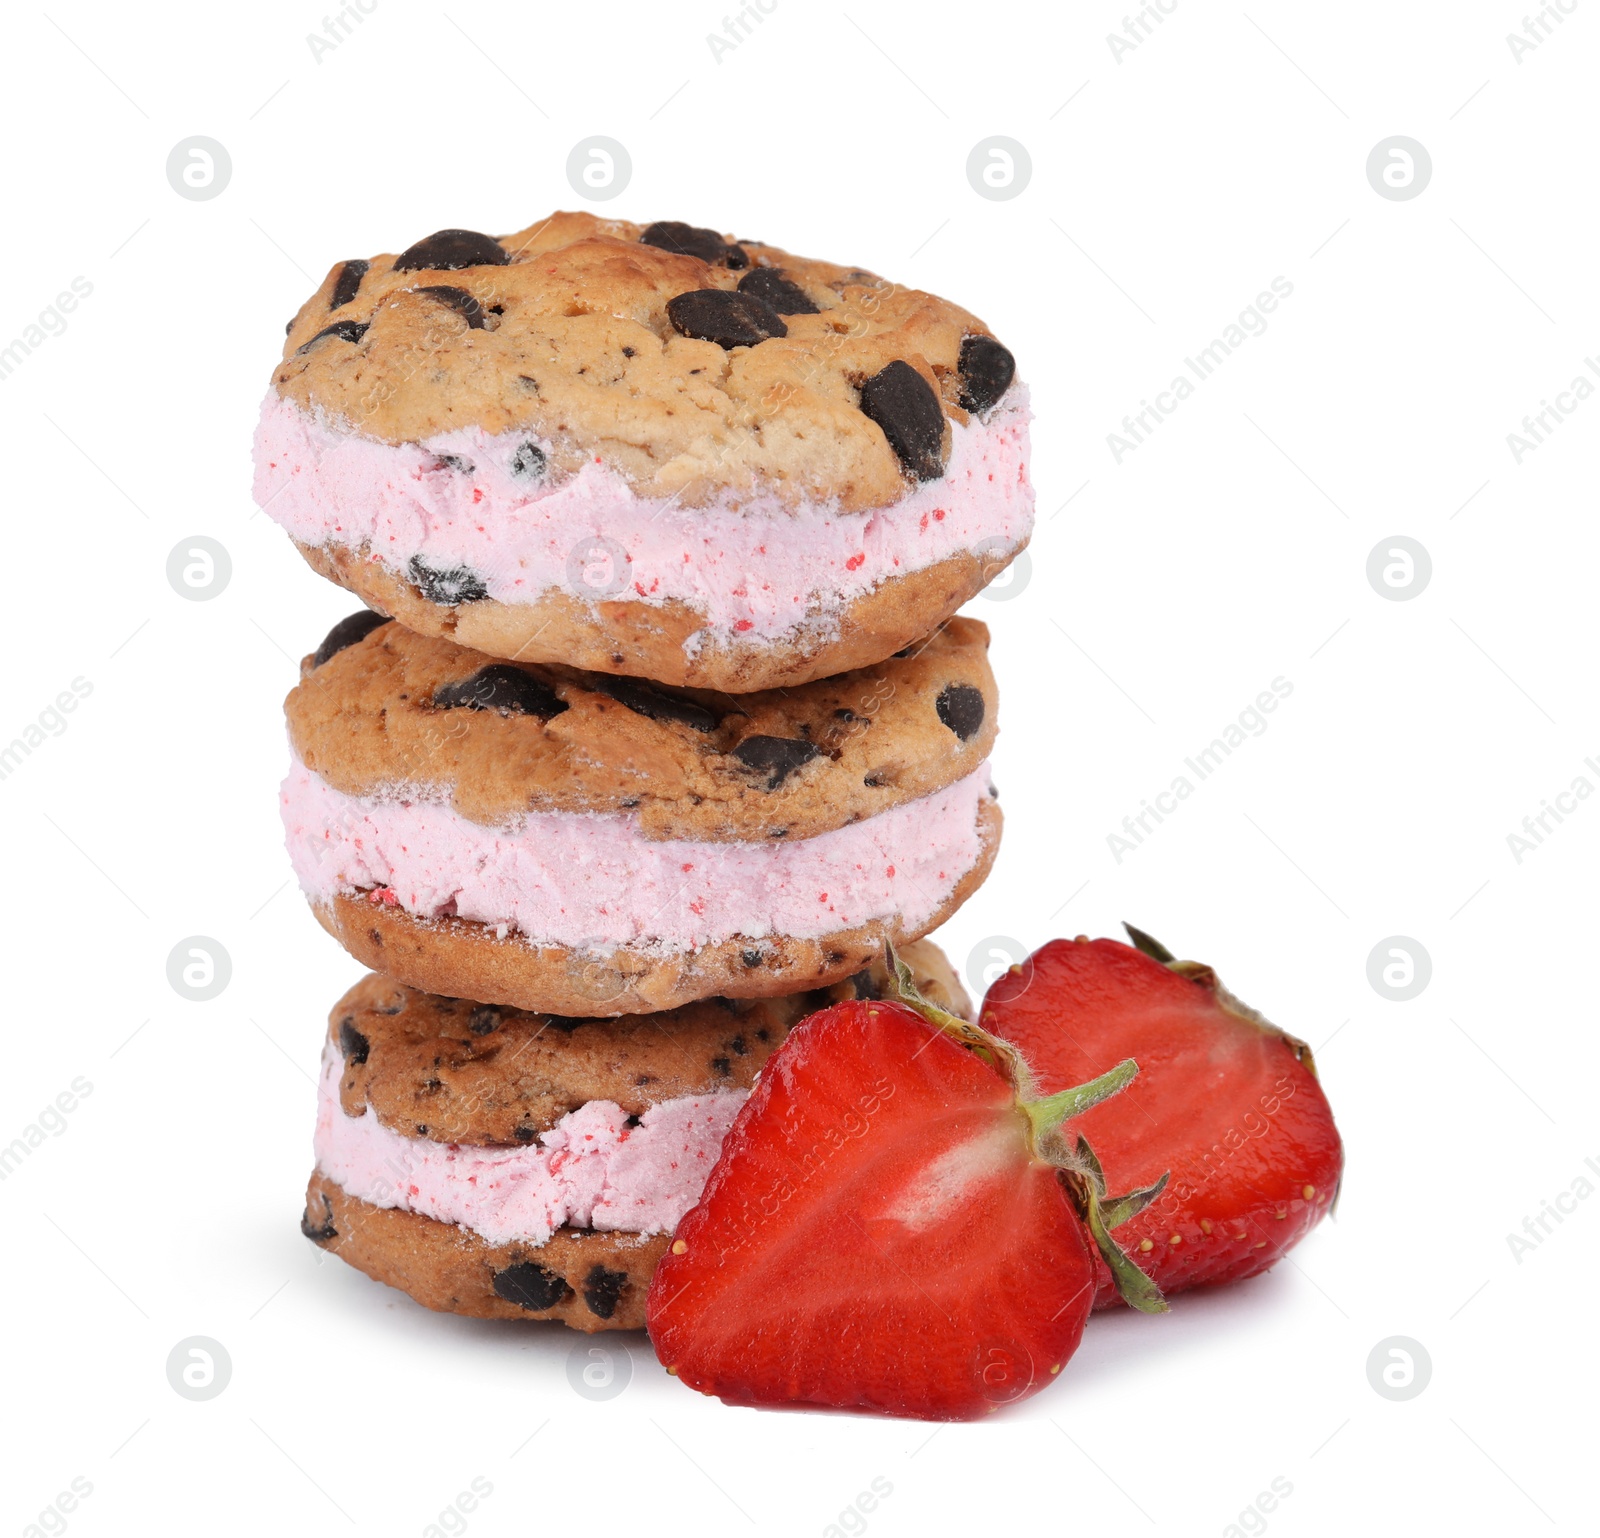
(469, 514)
(594, 883)
(591, 1170)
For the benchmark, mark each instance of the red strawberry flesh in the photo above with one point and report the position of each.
(1230, 1106)
(878, 1234)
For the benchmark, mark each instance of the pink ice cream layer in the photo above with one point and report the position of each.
(751, 565)
(593, 882)
(591, 1170)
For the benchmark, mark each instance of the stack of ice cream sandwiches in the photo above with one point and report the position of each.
(657, 726)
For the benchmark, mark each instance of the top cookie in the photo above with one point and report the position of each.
(687, 361)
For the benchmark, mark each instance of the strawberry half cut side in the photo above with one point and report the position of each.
(1226, 1102)
(895, 1224)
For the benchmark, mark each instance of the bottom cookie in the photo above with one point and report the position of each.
(587, 1279)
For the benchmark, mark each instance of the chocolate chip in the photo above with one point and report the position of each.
(987, 369)
(627, 352)
(456, 462)
(775, 757)
(726, 318)
(501, 687)
(321, 1232)
(738, 1046)
(352, 1043)
(960, 707)
(632, 1121)
(530, 1286)
(690, 240)
(903, 404)
(349, 630)
(524, 1134)
(348, 281)
(528, 463)
(722, 1066)
(459, 300)
(484, 1020)
(602, 1289)
(863, 985)
(448, 250)
(771, 287)
(345, 330)
(457, 584)
(656, 704)
(750, 958)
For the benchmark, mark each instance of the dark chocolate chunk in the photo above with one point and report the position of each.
(987, 369)
(459, 300)
(960, 707)
(352, 1043)
(775, 757)
(457, 584)
(722, 1066)
(690, 240)
(725, 317)
(448, 250)
(657, 704)
(484, 1020)
(528, 463)
(602, 1289)
(738, 1046)
(500, 686)
(319, 1232)
(347, 632)
(524, 1134)
(530, 1286)
(457, 462)
(348, 281)
(864, 986)
(903, 404)
(750, 958)
(784, 295)
(345, 330)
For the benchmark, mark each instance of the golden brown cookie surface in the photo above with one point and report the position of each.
(455, 1071)
(396, 712)
(688, 362)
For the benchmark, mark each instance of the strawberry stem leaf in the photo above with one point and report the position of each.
(1100, 1216)
(1048, 1114)
(999, 1054)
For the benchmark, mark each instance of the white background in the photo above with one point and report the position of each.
(1168, 188)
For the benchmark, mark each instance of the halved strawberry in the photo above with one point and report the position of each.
(1226, 1102)
(893, 1225)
